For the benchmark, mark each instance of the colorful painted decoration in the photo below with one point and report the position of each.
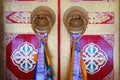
(18, 17)
(23, 17)
(20, 51)
(98, 55)
(91, 0)
(94, 57)
(22, 57)
(27, 0)
(101, 18)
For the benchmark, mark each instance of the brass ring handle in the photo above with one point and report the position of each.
(76, 20)
(42, 19)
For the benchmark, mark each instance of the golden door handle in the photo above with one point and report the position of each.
(75, 20)
(42, 19)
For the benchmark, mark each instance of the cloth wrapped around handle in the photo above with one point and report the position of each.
(42, 20)
(77, 67)
(76, 20)
(43, 64)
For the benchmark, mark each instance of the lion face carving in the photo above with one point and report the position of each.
(76, 20)
(42, 19)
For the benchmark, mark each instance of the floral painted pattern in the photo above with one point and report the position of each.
(20, 51)
(91, 0)
(23, 17)
(22, 57)
(94, 57)
(27, 0)
(98, 54)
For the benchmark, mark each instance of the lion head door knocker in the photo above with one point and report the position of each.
(76, 20)
(42, 20)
